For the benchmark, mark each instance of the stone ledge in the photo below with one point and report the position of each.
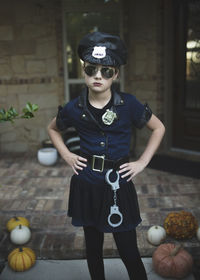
(64, 244)
(32, 80)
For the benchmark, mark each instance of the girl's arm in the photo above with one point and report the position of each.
(131, 169)
(75, 161)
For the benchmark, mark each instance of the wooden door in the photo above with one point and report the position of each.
(186, 75)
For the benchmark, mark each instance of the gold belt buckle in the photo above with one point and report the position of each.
(94, 157)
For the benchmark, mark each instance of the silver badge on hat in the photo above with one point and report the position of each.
(108, 117)
(99, 52)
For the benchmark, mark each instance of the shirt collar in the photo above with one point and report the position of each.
(117, 99)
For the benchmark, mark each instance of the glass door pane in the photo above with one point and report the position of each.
(78, 25)
(192, 95)
(99, 15)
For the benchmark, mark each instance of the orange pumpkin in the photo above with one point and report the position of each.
(180, 225)
(21, 259)
(170, 260)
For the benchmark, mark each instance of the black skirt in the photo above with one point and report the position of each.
(89, 205)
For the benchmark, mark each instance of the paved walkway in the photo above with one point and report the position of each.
(77, 270)
(41, 193)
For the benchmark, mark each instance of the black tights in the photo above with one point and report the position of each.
(127, 246)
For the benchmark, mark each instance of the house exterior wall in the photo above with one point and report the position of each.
(144, 71)
(31, 65)
(30, 69)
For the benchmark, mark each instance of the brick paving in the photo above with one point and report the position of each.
(41, 194)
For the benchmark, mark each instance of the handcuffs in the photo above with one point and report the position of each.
(114, 210)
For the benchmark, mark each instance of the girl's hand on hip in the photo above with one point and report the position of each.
(131, 169)
(75, 161)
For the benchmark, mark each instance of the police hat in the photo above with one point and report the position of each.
(102, 48)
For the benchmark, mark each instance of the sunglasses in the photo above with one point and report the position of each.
(106, 72)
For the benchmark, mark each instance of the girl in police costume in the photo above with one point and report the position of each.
(102, 195)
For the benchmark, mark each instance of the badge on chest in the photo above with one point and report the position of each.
(109, 117)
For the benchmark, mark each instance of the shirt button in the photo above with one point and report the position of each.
(102, 144)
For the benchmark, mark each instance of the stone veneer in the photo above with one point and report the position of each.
(30, 69)
(31, 64)
(144, 71)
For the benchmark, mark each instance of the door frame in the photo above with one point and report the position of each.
(169, 56)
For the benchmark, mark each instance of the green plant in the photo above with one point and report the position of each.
(11, 114)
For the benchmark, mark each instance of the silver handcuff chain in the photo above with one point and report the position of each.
(115, 197)
(114, 209)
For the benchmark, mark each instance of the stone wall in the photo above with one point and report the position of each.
(144, 71)
(30, 69)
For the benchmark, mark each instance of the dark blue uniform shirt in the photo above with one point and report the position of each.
(113, 140)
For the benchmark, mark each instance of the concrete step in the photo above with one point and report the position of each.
(77, 270)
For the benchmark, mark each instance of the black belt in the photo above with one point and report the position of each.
(99, 163)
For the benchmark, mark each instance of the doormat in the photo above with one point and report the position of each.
(176, 165)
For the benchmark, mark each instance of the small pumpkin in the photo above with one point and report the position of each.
(20, 235)
(21, 259)
(15, 221)
(180, 225)
(156, 234)
(170, 260)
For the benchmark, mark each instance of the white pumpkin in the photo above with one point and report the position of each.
(156, 234)
(198, 233)
(20, 235)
